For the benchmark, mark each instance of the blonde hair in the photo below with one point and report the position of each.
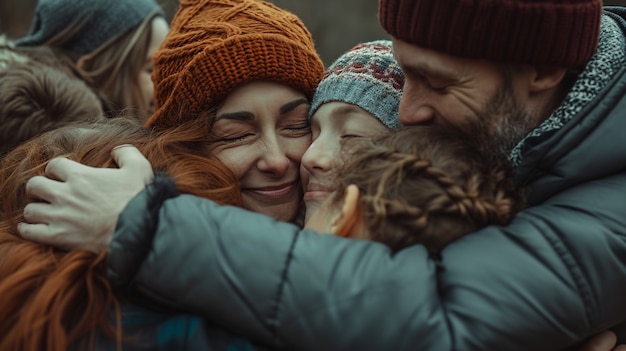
(112, 70)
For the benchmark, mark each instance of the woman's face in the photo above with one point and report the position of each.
(159, 29)
(332, 123)
(261, 133)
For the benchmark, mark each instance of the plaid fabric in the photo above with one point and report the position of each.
(144, 329)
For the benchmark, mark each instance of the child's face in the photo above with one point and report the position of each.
(331, 124)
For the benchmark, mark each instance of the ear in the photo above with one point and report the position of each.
(347, 220)
(543, 78)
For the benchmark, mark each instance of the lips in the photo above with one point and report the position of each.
(273, 192)
(316, 191)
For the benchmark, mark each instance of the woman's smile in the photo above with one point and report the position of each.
(276, 192)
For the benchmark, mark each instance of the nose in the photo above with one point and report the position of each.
(414, 108)
(273, 159)
(317, 158)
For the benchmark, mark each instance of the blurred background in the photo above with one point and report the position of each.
(336, 25)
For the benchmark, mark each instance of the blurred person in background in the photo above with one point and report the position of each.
(110, 44)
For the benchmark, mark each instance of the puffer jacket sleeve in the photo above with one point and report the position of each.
(553, 276)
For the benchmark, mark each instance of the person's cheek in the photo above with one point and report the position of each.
(296, 147)
(237, 160)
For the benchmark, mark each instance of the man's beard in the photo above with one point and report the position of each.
(502, 125)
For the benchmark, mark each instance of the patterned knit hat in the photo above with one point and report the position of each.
(366, 76)
(215, 46)
(561, 33)
(101, 21)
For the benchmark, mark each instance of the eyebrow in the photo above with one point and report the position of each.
(425, 70)
(246, 116)
(239, 116)
(290, 106)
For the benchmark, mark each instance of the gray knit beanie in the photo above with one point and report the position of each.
(103, 20)
(367, 76)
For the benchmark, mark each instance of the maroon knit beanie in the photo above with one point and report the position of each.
(560, 33)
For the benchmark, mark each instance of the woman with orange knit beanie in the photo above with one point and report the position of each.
(251, 69)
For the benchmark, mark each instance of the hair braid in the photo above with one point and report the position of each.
(384, 208)
(424, 185)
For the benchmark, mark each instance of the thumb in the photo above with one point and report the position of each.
(603, 341)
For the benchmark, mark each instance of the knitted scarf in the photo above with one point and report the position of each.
(604, 64)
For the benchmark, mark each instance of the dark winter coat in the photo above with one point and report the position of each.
(552, 277)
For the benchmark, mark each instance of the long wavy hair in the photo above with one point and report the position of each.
(427, 185)
(113, 69)
(52, 299)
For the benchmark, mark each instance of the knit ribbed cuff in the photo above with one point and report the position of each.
(554, 33)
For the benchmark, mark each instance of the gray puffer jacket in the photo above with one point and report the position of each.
(554, 276)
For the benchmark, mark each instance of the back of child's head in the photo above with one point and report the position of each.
(367, 76)
(427, 185)
(36, 97)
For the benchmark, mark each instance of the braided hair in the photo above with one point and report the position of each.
(427, 185)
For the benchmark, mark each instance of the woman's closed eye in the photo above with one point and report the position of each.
(235, 138)
(296, 128)
(233, 131)
(303, 127)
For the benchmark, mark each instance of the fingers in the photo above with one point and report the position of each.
(60, 168)
(604, 341)
(43, 234)
(42, 188)
(38, 213)
(37, 228)
(35, 232)
(128, 157)
(75, 214)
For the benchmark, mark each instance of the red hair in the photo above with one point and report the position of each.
(53, 299)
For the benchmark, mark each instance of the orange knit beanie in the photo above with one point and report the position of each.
(214, 46)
